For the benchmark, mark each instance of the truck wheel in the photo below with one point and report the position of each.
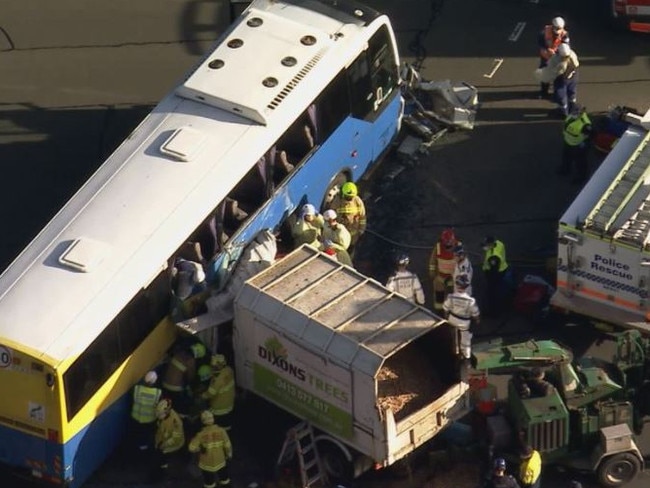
(618, 469)
(333, 189)
(338, 468)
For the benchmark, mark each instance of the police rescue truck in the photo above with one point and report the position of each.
(603, 266)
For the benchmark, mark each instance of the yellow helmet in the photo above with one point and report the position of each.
(163, 408)
(204, 373)
(218, 361)
(198, 350)
(349, 189)
(207, 418)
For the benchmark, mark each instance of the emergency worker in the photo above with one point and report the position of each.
(187, 278)
(221, 392)
(462, 312)
(548, 40)
(214, 449)
(143, 411)
(180, 373)
(530, 469)
(575, 134)
(463, 267)
(441, 267)
(499, 478)
(405, 282)
(170, 436)
(336, 236)
(565, 65)
(495, 267)
(538, 385)
(308, 227)
(352, 212)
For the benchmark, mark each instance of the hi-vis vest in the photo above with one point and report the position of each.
(552, 41)
(145, 399)
(499, 250)
(573, 129)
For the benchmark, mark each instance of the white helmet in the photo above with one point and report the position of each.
(150, 378)
(564, 50)
(308, 209)
(558, 22)
(329, 214)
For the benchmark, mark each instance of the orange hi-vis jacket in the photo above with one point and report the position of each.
(551, 41)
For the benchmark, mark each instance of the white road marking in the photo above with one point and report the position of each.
(519, 28)
(495, 66)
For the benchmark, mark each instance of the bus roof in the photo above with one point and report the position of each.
(117, 232)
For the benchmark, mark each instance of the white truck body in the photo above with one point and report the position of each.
(603, 268)
(311, 336)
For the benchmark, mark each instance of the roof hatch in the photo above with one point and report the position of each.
(84, 254)
(256, 66)
(183, 144)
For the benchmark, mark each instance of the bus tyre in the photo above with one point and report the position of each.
(333, 190)
(618, 470)
(338, 468)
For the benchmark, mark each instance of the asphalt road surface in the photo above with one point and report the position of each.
(77, 77)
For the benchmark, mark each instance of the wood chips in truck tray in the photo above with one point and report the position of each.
(406, 383)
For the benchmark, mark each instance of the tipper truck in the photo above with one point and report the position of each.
(376, 375)
(603, 262)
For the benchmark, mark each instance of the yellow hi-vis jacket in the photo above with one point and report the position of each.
(170, 436)
(214, 448)
(305, 232)
(574, 129)
(221, 392)
(352, 214)
(530, 469)
(499, 250)
(145, 399)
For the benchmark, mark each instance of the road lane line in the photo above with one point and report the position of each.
(519, 28)
(496, 64)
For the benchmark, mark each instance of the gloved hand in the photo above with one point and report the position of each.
(327, 243)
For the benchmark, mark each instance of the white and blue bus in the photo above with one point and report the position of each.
(296, 97)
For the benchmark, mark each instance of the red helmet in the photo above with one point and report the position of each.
(448, 238)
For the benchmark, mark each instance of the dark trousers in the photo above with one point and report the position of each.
(220, 478)
(566, 92)
(143, 434)
(494, 305)
(576, 155)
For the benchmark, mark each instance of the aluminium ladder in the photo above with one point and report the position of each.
(312, 472)
(631, 176)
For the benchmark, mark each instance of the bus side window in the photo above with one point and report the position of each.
(361, 93)
(116, 343)
(383, 71)
(331, 107)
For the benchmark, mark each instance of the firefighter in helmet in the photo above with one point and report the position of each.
(214, 451)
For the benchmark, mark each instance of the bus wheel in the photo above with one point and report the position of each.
(338, 468)
(618, 470)
(333, 190)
